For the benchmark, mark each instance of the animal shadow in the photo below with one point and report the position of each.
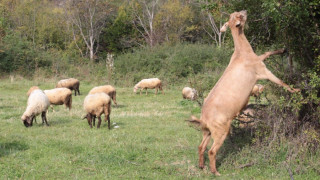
(7, 148)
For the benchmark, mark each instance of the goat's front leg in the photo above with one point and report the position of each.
(276, 80)
(270, 53)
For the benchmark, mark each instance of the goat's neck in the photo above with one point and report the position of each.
(241, 44)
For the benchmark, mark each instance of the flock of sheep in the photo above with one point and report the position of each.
(96, 103)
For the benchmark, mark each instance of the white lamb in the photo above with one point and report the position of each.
(95, 105)
(38, 103)
(189, 93)
(108, 89)
(153, 83)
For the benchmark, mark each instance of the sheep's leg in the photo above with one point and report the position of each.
(276, 80)
(140, 91)
(90, 120)
(114, 99)
(94, 120)
(108, 118)
(270, 53)
(202, 147)
(156, 90)
(44, 118)
(219, 135)
(78, 91)
(146, 91)
(99, 123)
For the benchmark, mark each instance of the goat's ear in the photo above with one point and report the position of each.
(224, 27)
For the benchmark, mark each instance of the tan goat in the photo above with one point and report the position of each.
(231, 92)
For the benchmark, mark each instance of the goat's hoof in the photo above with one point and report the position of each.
(284, 50)
(201, 166)
(216, 173)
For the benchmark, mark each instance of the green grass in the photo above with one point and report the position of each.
(153, 141)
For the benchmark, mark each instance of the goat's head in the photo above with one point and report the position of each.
(27, 120)
(236, 20)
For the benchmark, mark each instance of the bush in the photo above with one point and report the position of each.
(173, 64)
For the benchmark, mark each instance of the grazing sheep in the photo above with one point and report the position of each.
(230, 94)
(38, 103)
(95, 105)
(189, 93)
(59, 96)
(108, 89)
(71, 83)
(152, 83)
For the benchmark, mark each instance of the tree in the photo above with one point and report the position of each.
(144, 13)
(88, 18)
(213, 15)
(172, 20)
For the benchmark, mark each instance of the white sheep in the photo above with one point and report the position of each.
(59, 96)
(38, 103)
(108, 89)
(152, 83)
(71, 83)
(189, 93)
(95, 105)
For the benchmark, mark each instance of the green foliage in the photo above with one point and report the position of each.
(119, 34)
(174, 64)
(19, 55)
(172, 21)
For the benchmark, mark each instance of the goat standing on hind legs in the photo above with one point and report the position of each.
(231, 92)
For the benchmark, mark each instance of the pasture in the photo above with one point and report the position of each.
(153, 141)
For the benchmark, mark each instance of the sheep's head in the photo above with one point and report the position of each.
(236, 20)
(27, 120)
(135, 88)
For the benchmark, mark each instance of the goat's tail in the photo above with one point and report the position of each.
(199, 122)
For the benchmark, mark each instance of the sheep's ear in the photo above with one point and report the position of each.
(224, 27)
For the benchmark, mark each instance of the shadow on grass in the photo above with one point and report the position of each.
(7, 148)
(119, 106)
(234, 144)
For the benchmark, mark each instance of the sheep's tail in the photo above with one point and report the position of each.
(69, 102)
(199, 122)
(114, 98)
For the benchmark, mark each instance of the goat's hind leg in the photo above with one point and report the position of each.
(202, 147)
(218, 137)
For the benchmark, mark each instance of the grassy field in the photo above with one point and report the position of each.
(153, 141)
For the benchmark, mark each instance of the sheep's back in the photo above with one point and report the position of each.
(58, 95)
(67, 83)
(38, 102)
(149, 83)
(102, 89)
(94, 103)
